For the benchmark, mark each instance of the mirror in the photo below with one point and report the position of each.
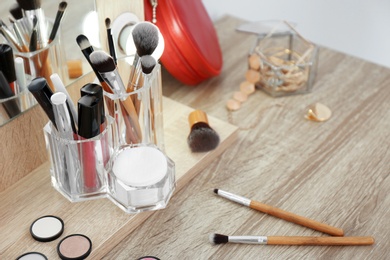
(80, 18)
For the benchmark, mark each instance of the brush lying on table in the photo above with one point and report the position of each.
(292, 240)
(276, 212)
(202, 137)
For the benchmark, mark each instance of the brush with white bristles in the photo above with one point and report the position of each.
(279, 213)
(292, 240)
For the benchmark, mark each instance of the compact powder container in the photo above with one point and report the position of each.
(47, 228)
(74, 246)
(32, 256)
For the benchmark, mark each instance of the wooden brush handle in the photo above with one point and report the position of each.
(315, 241)
(291, 217)
(130, 109)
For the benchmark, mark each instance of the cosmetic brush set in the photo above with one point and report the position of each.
(336, 239)
(26, 54)
(114, 123)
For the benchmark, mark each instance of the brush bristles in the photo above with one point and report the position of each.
(35, 22)
(218, 239)
(29, 5)
(102, 61)
(202, 138)
(145, 37)
(147, 64)
(16, 11)
(108, 23)
(216, 191)
(62, 6)
(83, 42)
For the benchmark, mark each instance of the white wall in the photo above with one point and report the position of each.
(357, 27)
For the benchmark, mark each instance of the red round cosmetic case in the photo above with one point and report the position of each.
(192, 52)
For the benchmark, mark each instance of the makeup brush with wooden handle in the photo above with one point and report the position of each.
(292, 240)
(279, 213)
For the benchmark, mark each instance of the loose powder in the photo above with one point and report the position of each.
(140, 166)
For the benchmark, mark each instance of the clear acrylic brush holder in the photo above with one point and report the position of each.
(138, 113)
(79, 167)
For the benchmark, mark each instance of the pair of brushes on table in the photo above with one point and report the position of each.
(291, 217)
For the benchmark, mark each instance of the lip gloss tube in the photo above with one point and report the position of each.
(7, 66)
(10, 105)
(96, 91)
(89, 127)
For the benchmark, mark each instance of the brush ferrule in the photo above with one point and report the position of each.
(233, 197)
(259, 240)
(114, 81)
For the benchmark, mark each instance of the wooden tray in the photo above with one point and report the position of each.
(100, 219)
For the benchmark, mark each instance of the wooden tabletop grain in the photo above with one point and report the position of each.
(336, 172)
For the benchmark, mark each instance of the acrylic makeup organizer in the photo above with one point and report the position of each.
(287, 61)
(40, 63)
(88, 169)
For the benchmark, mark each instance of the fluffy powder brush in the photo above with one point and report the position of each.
(202, 137)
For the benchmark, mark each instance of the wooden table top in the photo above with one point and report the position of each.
(335, 172)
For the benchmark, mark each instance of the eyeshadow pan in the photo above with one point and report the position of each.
(32, 256)
(74, 246)
(47, 228)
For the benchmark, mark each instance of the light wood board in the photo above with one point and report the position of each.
(101, 220)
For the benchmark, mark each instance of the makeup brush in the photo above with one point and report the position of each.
(33, 8)
(16, 11)
(292, 240)
(60, 13)
(111, 45)
(34, 36)
(202, 137)
(40, 89)
(147, 64)
(11, 106)
(145, 37)
(9, 36)
(86, 48)
(19, 36)
(106, 67)
(279, 213)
